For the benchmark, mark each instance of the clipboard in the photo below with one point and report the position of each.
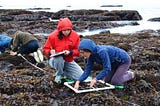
(57, 54)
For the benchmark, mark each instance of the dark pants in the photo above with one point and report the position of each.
(1, 50)
(119, 73)
(30, 47)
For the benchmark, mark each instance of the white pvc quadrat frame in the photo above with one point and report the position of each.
(108, 86)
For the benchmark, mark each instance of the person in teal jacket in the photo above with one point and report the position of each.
(115, 62)
(4, 43)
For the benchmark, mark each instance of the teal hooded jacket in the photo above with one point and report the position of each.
(103, 55)
(4, 42)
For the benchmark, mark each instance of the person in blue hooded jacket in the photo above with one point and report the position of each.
(115, 62)
(4, 43)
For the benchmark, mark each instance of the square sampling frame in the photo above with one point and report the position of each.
(100, 82)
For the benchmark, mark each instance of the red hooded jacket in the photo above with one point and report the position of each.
(70, 42)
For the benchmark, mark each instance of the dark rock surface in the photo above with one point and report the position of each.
(22, 83)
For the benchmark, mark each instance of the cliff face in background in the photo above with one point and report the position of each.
(21, 83)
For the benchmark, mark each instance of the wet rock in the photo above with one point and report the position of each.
(5, 66)
(154, 19)
(106, 31)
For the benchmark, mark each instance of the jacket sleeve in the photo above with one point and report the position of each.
(89, 67)
(16, 43)
(47, 46)
(106, 65)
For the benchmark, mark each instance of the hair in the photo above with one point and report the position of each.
(81, 36)
(11, 42)
(60, 35)
(86, 50)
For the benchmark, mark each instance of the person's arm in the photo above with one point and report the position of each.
(106, 65)
(85, 74)
(89, 67)
(74, 51)
(48, 47)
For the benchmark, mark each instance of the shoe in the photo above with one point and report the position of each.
(68, 80)
(58, 79)
(40, 55)
(132, 74)
(36, 57)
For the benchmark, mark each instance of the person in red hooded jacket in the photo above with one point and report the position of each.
(63, 39)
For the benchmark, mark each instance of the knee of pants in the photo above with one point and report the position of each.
(54, 60)
(51, 62)
(117, 81)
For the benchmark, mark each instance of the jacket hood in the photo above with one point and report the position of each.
(64, 24)
(87, 44)
(6, 40)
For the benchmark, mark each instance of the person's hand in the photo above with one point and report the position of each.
(93, 82)
(13, 53)
(52, 52)
(67, 52)
(76, 86)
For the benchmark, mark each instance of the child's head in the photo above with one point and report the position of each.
(85, 53)
(87, 45)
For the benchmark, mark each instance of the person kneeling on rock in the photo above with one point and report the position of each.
(63, 40)
(24, 43)
(115, 62)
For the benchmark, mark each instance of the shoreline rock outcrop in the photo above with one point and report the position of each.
(45, 22)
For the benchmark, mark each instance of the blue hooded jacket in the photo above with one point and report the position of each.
(4, 42)
(103, 55)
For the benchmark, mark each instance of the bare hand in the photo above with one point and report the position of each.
(76, 86)
(93, 82)
(13, 53)
(52, 51)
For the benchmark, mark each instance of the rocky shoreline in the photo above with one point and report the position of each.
(21, 83)
(45, 22)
